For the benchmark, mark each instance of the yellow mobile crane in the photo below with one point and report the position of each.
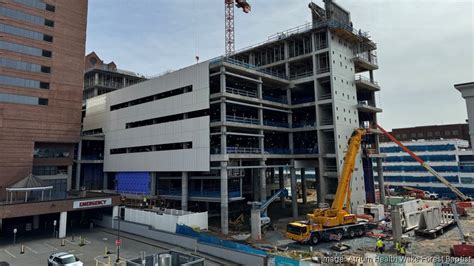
(335, 221)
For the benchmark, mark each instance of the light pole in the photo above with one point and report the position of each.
(14, 236)
(118, 242)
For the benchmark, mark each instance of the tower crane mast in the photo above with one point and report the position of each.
(229, 22)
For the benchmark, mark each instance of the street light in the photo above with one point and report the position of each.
(118, 242)
(54, 228)
(14, 235)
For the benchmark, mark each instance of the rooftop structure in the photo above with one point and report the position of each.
(217, 134)
(451, 131)
(467, 91)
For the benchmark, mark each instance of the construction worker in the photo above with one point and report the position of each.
(397, 246)
(379, 245)
(402, 250)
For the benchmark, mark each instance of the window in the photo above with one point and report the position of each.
(37, 4)
(25, 83)
(437, 133)
(413, 135)
(430, 134)
(404, 136)
(455, 132)
(15, 14)
(153, 148)
(166, 119)
(447, 133)
(15, 64)
(20, 99)
(420, 134)
(23, 49)
(17, 31)
(50, 152)
(151, 98)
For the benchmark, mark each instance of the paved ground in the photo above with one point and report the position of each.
(38, 248)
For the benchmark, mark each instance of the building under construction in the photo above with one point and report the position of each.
(234, 129)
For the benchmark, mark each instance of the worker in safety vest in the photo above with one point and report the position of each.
(403, 250)
(397, 246)
(379, 245)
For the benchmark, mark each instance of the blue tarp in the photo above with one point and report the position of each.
(208, 239)
(133, 183)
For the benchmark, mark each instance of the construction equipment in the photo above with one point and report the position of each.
(443, 180)
(335, 222)
(421, 194)
(229, 22)
(463, 249)
(259, 221)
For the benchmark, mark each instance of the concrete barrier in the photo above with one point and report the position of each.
(235, 256)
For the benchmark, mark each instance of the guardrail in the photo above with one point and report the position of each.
(325, 96)
(243, 150)
(362, 78)
(304, 124)
(276, 99)
(305, 150)
(365, 56)
(301, 75)
(241, 92)
(322, 70)
(276, 124)
(277, 150)
(302, 100)
(244, 120)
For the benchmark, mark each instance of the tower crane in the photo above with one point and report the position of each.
(229, 22)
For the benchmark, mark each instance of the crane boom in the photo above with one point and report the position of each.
(426, 166)
(348, 167)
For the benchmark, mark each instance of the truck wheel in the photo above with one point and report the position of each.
(351, 233)
(360, 232)
(339, 234)
(314, 240)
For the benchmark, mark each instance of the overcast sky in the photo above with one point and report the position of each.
(424, 47)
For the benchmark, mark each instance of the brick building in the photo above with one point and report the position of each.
(451, 131)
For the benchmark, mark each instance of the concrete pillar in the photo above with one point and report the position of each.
(224, 200)
(255, 184)
(96, 79)
(303, 186)
(105, 182)
(396, 217)
(294, 193)
(69, 178)
(184, 191)
(255, 222)
(467, 92)
(153, 183)
(263, 182)
(62, 224)
(78, 166)
(281, 181)
(35, 222)
(115, 213)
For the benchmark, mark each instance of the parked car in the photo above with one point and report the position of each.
(64, 259)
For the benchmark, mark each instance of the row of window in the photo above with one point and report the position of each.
(429, 134)
(21, 99)
(151, 98)
(20, 65)
(25, 83)
(152, 148)
(49, 170)
(427, 158)
(51, 152)
(17, 31)
(23, 49)
(169, 118)
(25, 17)
(420, 179)
(416, 168)
(39, 4)
(415, 148)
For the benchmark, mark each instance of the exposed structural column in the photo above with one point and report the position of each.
(281, 181)
(380, 172)
(263, 181)
(223, 113)
(294, 193)
(62, 224)
(303, 186)
(224, 200)
(78, 166)
(184, 191)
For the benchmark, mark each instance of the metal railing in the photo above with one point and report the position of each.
(365, 56)
(320, 46)
(241, 92)
(276, 124)
(302, 100)
(209, 192)
(367, 103)
(301, 74)
(244, 120)
(301, 124)
(277, 150)
(247, 65)
(281, 99)
(362, 78)
(326, 121)
(314, 150)
(325, 96)
(322, 70)
(243, 150)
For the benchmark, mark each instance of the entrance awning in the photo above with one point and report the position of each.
(27, 184)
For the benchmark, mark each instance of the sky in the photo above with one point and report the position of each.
(424, 47)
